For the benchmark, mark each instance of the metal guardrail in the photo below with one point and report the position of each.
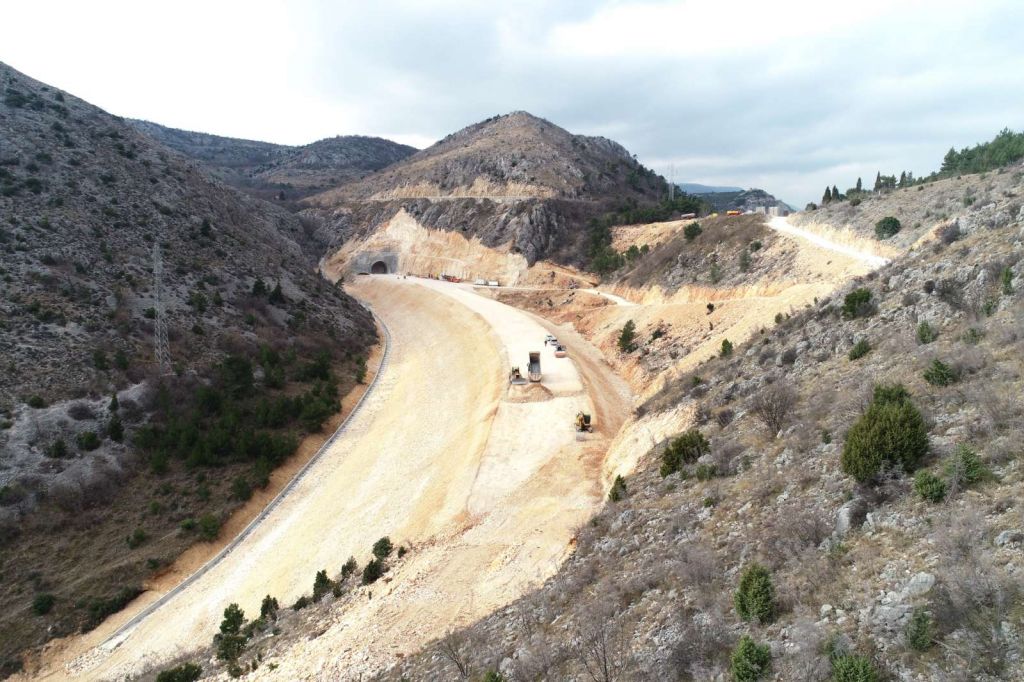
(117, 638)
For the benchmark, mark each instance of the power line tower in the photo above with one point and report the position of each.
(163, 348)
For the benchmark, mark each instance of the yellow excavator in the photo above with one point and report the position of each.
(584, 423)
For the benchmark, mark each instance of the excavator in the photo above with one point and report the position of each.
(584, 423)
(516, 377)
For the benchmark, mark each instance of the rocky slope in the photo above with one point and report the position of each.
(282, 172)
(85, 200)
(516, 181)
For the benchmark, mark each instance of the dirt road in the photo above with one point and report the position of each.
(487, 488)
(780, 224)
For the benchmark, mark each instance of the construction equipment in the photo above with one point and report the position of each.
(534, 366)
(516, 377)
(560, 351)
(584, 423)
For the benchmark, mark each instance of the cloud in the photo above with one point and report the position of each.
(789, 96)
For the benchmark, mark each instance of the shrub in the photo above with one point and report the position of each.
(684, 449)
(35, 402)
(209, 526)
(230, 641)
(627, 336)
(926, 333)
(858, 304)
(705, 472)
(726, 348)
(773, 406)
(373, 571)
(186, 672)
(349, 567)
(692, 231)
(301, 603)
(1006, 281)
(750, 661)
(929, 486)
(755, 596)
(887, 227)
(115, 429)
(618, 490)
(58, 449)
(42, 603)
(87, 441)
(382, 548)
(99, 360)
(853, 668)
(919, 631)
(965, 468)
(321, 585)
(891, 431)
(493, 676)
(941, 374)
(137, 538)
(241, 489)
(860, 349)
(269, 608)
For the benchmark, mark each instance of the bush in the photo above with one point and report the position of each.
(269, 608)
(241, 489)
(705, 472)
(858, 304)
(940, 374)
(726, 348)
(382, 548)
(230, 641)
(99, 360)
(852, 668)
(919, 631)
(321, 585)
(860, 349)
(373, 571)
(137, 538)
(618, 490)
(926, 333)
(58, 449)
(692, 231)
(42, 603)
(87, 441)
(755, 596)
(891, 431)
(301, 603)
(627, 336)
(349, 567)
(209, 526)
(887, 227)
(965, 468)
(750, 661)
(115, 429)
(186, 672)
(1006, 281)
(684, 449)
(36, 402)
(929, 486)
(773, 406)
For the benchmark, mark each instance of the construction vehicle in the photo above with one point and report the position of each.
(732, 213)
(516, 377)
(584, 423)
(560, 351)
(534, 366)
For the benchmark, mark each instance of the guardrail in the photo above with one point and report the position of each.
(118, 637)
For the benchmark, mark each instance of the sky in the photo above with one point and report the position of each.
(789, 96)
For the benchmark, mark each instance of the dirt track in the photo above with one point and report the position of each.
(487, 490)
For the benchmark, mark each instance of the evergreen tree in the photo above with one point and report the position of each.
(860, 187)
(277, 296)
(903, 179)
(259, 287)
(878, 181)
(826, 198)
(836, 196)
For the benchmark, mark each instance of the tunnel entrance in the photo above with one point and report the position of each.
(379, 268)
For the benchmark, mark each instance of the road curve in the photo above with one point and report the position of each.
(440, 459)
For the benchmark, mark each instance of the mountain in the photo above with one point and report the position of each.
(280, 171)
(515, 181)
(742, 200)
(86, 199)
(697, 188)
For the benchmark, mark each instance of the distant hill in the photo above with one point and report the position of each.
(697, 188)
(274, 171)
(515, 180)
(742, 200)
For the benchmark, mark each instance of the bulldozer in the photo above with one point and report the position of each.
(584, 423)
(516, 377)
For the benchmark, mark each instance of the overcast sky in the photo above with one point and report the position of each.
(785, 95)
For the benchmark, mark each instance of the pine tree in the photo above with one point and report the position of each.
(826, 198)
(860, 187)
(836, 196)
(878, 181)
(903, 179)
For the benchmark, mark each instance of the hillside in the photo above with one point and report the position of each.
(697, 188)
(859, 562)
(514, 182)
(281, 172)
(93, 440)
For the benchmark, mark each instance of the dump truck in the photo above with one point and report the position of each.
(516, 377)
(584, 423)
(534, 366)
(560, 351)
